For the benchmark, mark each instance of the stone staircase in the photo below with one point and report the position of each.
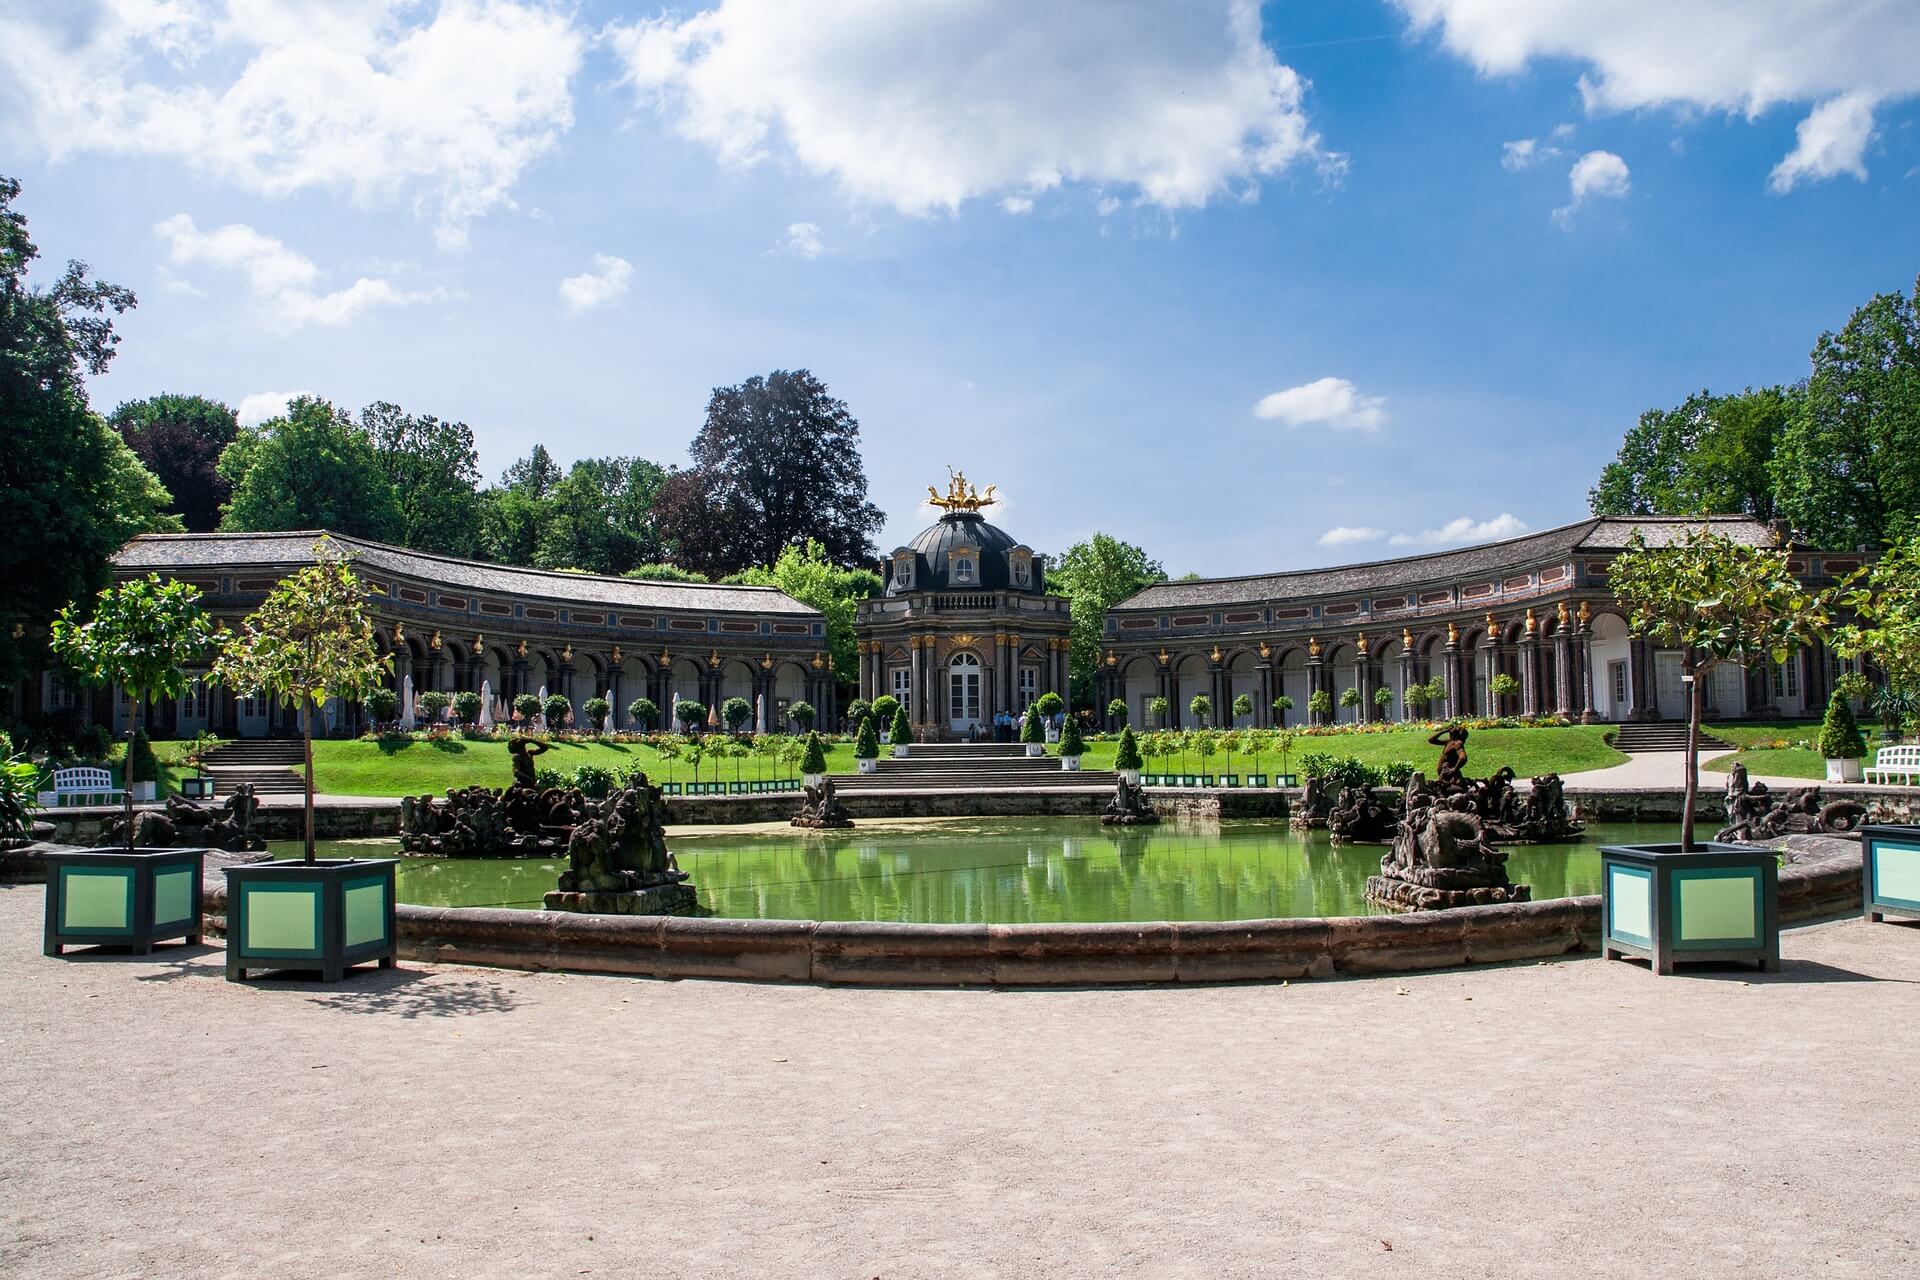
(272, 765)
(1662, 735)
(969, 766)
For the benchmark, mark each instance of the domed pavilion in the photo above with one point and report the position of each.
(965, 629)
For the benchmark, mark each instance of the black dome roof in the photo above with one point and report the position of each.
(957, 529)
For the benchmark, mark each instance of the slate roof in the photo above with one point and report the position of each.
(962, 528)
(292, 549)
(1600, 534)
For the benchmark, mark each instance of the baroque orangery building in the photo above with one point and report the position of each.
(454, 624)
(1536, 608)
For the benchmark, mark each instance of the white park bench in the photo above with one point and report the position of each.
(85, 782)
(1892, 764)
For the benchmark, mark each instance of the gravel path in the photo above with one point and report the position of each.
(1575, 1118)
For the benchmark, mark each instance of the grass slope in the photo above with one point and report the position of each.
(1764, 760)
(1530, 752)
(364, 767)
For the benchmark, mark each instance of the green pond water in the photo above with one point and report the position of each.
(1006, 870)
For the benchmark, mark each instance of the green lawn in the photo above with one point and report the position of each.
(1530, 752)
(167, 752)
(1779, 762)
(366, 767)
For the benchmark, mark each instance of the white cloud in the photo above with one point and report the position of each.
(596, 288)
(923, 107)
(1521, 154)
(444, 104)
(1340, 535)
(1832, 141)
(1106, 206)
(1464, 529)
(280, 280)
(1599, 174)
(1017, 204)
(804, 240)
(1741, 56)
(1333, 402)
(261, 405)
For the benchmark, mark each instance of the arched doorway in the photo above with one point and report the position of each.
(963, 692)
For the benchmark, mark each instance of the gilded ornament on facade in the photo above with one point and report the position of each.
(399, 633)
(713, 658)
(766, 662)
(1363, 643)
(1266, 651)
(1453, 634)
(817, 663)
(479, 644)
(1215, 655)
(618, 657)
(1165, 657)
(1313, 646)
(1530, 622)
(566, 654)
(964, 639)
(1585, 613)
(434, 643)
(1406, 639)
(961, 496)
(1561, 610)
(520, 650)
(1112, 659)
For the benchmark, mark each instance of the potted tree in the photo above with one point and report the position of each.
(527, 707)
(736, 712)
(1126, 759)
(1418, 698)
(866, 745)
(1716, 600)
(142, 635)
(596, 709)
(813, 762)
(642, 712)
(1049, 705)
(1159, 708)
(199, 786)
(802, 715)
(882, 712)
(556, 711)
(383, 706)
(466, 708)
(1242, 707)
(1349, 699)
(434, 702)
(1502, 687)
(1320, 706)
(1117, 711)
(1072, 745)
(311, 639)
(690, 715)
(1202, 709)
(855, 710)
(1841, 741)
(1031, 734)
(1383, 699)
(1282, 705)
(901, 733)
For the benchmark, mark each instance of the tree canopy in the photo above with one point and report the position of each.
(180, 439)
(777, 461)
(71, 492)
(313, 468)
(1095, 575)
(432, 468)
(810, 577)
(1709, 454)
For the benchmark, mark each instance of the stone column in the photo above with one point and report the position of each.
(1316, 681)
(1583, 674)
(1530, 696)
(1562, 672)
(616, 714)
(1407, 661)
(1263, 700)
(1363, 681)
(1455, 663)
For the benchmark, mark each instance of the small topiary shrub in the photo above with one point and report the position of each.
(1117, 710)
(466, 705)
(1127, 755)
(434, 703)
(856, 709)
(597, 710)
(1030, 730)
(1840, 737)
(802, 714)
(883, 708)
(1071, 743)
(1320, 704)
(900, 730)
(527, 706)
(383, 706)
(1049, 704)
(735, 712)
(866, 742)
(689, 715)
(643, 713)
(815, 759)
(556, 709)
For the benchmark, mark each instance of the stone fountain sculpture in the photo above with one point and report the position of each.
(618, 863)
(1129, 807)
(1361, 817)
(186, 825)
(1755, 812)
(1441, 857)
(821, 810)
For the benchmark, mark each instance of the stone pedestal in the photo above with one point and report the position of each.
(673, 898)
(1401, 893)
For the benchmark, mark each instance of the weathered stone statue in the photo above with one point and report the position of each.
(1755, 813)
(618, 861)
(1451, 773)
(1129, 807)
(1441, 857)
(821, 809)
(1361, 817)
(186, 825)
(1316, 805)
(521, 750)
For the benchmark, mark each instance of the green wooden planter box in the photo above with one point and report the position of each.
(325, 915)
(1890, 872)
(1720, 902)
(113, 898)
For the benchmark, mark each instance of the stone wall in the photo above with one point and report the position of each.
(868, 952)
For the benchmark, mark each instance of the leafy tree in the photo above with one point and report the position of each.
(1158, 709)
(527, 706)
(435, 703)
(1282, 705)
(1049, 704)
(313, 468)
(1243, 705)
(1883, 600)
(382, 704)
(1847, 467)
(815, 759)
(658, 572)
(71, 492)
(311, 639)
(1502, 687)
(1127, 755)
(433, 469)
(557, 709)
(809, 575)
(597, 709)
(900, 730)
(801, 713)
(1094, 576)
(600, 518)
(1840, 737)
(855, 709)
(1716, 600)
(466, 707)
(736, 712)
(1320, 704)
(1117, 710)
(776, 462)
(180, 439)
(1383, 698)
(1709, 454)
(866, 741)
(143, 635)
(883, 708)
(690, 714)
(643, 712)
(1202, 708)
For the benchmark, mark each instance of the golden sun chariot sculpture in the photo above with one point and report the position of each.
(960, 495)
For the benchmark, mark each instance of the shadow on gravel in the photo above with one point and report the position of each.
(1791, 972)
(412, 993)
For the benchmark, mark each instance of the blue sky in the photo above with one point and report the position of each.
(1221, 280)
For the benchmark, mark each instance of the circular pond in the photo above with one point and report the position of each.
(1005, 871)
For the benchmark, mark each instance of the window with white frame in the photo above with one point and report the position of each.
(1022, 571)
(964, 569)
(903, 688)
(59, 693)
(1029, 686)
(1618, 671)
(1786, 678)
(193, 703)
(903, 571)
